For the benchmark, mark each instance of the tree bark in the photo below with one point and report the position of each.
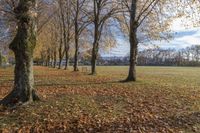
(76, 55)
(61, 41)
(60, 54)
(96, 38)
(133, 58)
(23, 46)
(94, 58)
(48, 57)
(55, 58)
(67, 47)
(76, 41)
(67, 58)
(95, 48)
(1, 59)
(133, 42)
(52, 58)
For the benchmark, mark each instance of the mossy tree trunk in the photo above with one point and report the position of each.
(23, 46)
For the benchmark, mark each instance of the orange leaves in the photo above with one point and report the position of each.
(77, 102)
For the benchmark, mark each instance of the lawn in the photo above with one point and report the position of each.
(163, 100)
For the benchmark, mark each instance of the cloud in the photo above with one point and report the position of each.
(182, 38)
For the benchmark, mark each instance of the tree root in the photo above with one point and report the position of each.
(14, 99)
(129, 79)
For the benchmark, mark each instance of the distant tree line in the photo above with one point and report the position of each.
(189, 56)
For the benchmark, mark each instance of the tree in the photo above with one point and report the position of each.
(102, 11)
(67, 32)
(80, 23)
(64, 33)
(23, 45)
(137, 12)
(1, 60)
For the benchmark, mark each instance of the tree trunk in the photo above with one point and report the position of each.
(1, 59)
(76, 44)
(67, 59)
(76, 57)
(43, 58)
(67, 46)
(23, 46)
(46, 63)
(65, 36)
(48, 58)
(95, 46)
(52, 58)
(67, 50)
(133, 59)
(133, 42)
(61, 43)
(55, 58)
(94, 58)
(60, 56)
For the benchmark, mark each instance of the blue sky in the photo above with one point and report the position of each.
(183, 37)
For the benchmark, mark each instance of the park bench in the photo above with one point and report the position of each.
(85, 69)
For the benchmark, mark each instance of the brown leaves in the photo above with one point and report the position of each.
(76, 102)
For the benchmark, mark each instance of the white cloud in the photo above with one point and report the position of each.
(183, 37)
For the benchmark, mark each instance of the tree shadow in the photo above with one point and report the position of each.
(183, 121)
(78, 83)
(170, 124)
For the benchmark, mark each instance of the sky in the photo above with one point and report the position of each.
(183, 38)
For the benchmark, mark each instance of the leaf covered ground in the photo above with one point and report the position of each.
(163, 100)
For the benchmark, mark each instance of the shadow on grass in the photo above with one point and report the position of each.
(170, 124)
(78, 83)
(184, 121)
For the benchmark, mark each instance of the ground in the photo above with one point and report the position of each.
(163, 100)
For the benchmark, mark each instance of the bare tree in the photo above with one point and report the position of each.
(80, 23)
(69, 34)
(102, 11)
(137, 12)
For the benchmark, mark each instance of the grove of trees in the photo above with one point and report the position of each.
(51, 30)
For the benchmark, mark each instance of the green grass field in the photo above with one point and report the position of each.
(164, 99)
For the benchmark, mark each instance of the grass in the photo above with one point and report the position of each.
(164, 99)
